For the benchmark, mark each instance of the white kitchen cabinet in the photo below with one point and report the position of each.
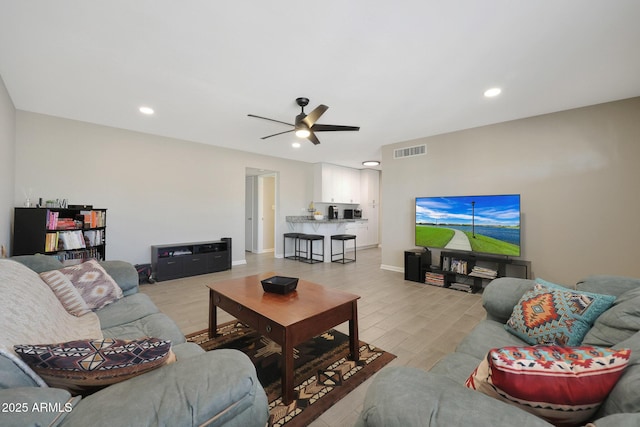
(336, 184)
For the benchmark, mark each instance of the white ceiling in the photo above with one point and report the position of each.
(398, 69)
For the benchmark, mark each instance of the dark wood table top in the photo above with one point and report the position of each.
(310, 298)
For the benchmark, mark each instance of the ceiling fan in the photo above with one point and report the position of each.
(305, 126)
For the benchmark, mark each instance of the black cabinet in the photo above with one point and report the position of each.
(73, 235)
(469, 272)
(416, 264)
(190, 259)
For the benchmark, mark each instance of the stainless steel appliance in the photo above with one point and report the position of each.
(333, 212)
(357, 213)
(348, 214)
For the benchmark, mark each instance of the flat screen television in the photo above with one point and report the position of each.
(483, 224)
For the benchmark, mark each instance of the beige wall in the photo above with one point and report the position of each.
(7, 168)
(578, 173)
(157, 190)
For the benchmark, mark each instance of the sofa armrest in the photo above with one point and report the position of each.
(215, 388)
(35, 406)
(502, 294)
(404, 396)
(617, 420)
(124, 274)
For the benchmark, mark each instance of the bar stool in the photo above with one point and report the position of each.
(296, 245)
(308, 240)
(343, 238)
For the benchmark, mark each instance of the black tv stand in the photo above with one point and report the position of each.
(464, 271)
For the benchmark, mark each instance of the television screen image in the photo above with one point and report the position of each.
(485, 224)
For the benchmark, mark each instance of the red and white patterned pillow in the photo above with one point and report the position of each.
(83, 287)
(84, 366)
(564, 385)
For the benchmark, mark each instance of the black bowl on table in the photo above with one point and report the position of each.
(279, 284)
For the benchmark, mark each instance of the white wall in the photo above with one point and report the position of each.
(577, 171)
(7, 168)
(157, 190)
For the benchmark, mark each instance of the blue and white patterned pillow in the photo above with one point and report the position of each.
(554, 315)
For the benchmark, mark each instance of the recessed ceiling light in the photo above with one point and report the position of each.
(146, 110)
(295, 145)
(494, 91)
(371, 163)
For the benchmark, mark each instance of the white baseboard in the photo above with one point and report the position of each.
(391, 268)
(240, 262)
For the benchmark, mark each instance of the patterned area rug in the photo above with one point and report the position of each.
(323, 372)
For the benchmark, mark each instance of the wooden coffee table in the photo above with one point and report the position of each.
(288, 319)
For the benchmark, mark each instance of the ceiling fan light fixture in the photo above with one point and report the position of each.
(371, 163)
(303, 133)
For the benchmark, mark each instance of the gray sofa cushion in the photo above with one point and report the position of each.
(124, 274)
(610, 285)
(157, 325)
(39, 262)
(186, 350)
(403, 396)
(618, 323)
(56, 404)
(502, 295)
(625, 396)
(14, 375)
(125, 310)
(456, 366)
(486, 335)
(214, 387)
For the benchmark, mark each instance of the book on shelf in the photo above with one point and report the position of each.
(72, 239)
(485, 270)
(94, 219)
(461, 287)
(459, 266)
(52, 220)
(51, 242)
(435, 279)
(94, 237)
(78, 256)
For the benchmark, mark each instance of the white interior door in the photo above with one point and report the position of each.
(249, 196)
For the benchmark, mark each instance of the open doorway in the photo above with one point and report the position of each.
(260, 210)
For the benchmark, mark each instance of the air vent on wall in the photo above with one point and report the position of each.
(418, 150)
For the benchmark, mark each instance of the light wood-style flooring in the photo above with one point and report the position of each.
(418, 323)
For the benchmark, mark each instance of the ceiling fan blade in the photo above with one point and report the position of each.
(313, 138)
(276, 134)
(313, 116)
(333, 128)
(271, 120)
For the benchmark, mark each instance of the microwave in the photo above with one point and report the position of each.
(352, 213)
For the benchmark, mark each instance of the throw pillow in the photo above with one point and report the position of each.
(564, 385)
(83, 287)
(551, 314)
(84, 366)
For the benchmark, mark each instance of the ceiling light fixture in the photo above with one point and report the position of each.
(303, 133)
(146, 110)
(295, 145)
(371, 163)
(494, 91)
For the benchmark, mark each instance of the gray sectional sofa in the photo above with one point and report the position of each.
(215, 388)
(405, 396)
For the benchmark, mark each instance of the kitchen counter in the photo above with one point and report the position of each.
(324, 227)
(303, 219)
